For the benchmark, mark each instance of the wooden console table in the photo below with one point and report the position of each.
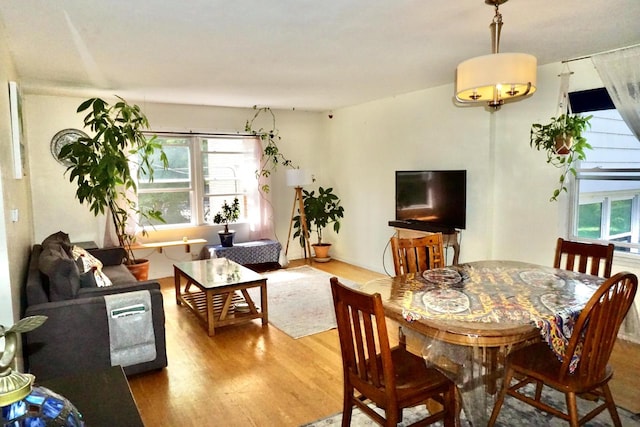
(103, 398)
(159, 245)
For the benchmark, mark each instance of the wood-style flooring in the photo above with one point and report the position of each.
(249, 375)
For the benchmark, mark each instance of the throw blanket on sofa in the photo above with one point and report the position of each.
(131, 334)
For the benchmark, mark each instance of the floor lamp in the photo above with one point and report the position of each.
(296, 178)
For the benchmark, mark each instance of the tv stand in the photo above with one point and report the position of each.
(417, 228)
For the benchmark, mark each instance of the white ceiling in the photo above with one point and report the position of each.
(309, 55)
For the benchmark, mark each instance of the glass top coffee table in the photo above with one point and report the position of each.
(215, 290)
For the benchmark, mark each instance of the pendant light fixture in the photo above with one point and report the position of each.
(496, 78)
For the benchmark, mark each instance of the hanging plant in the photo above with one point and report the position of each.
(271, 155)
(563, 143)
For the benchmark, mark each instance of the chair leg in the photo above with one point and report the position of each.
(392, 415)
(500, 400)
(572, 408)
(538, 390)
(611, 406)
(450, 406)
(347, 406)
(402, 338)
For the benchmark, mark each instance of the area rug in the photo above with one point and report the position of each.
(300, 302)
(513, 413)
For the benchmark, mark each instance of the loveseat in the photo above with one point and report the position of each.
(95, 318)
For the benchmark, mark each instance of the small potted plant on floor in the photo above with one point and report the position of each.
(228, 213)
(321, 210)
(563, 143)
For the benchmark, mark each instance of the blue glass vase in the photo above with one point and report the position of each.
(41, 408)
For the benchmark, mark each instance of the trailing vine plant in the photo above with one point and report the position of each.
(562, 141)
(271, 155)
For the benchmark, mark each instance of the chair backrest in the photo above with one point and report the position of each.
(596, 329)
(364, 342)
(587, 255)
(411, 255)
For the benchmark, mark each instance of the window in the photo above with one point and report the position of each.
(607, 189)
(204, 171)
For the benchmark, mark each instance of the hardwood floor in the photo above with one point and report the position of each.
(249, 375)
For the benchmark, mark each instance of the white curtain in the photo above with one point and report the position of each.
(261, 222)
(620, 73)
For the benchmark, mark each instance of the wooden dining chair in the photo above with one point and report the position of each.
(411, 255)
(586, 255)
(391, 378)
(594, 335)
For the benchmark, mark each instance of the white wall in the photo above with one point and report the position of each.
(421, 130)
(508, 212)
(15, 236)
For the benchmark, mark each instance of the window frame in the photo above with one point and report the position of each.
(196, 188)
(592, 101)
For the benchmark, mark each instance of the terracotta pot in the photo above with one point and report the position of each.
(140, 269)
(563, 144)
(322, 251)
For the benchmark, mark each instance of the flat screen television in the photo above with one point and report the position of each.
(433, 200)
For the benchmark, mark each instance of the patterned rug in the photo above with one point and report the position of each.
(300, 302)
(513, 413)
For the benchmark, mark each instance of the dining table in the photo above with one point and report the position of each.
(469, 316)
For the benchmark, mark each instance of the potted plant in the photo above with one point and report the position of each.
(564, 144)
(320, 210)
(271, 155)
(100, 165)
(228, 213)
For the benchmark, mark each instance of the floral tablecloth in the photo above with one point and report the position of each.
(502, 292)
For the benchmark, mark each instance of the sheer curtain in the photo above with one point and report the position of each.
(261, 222)
(620, 73)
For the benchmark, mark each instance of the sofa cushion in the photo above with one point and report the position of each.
(92, 264)
(88, 279)
(62, 272)
(119, 274)
(57, 238)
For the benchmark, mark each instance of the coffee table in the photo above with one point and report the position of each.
(215, 290)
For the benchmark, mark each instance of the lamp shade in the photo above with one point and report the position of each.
(496, 77)
(297, 177)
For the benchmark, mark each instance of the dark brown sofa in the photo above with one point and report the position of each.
(76, 336)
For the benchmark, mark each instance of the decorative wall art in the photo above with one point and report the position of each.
(17, 144)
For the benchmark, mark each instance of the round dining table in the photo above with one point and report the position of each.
(472, 314)
(483, 303)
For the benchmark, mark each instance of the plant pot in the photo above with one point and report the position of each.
(140, 269)
(563, 144)
(226, 239)
(321, 251)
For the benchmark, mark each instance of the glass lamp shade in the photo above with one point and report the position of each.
(495, 78)
(40, 408)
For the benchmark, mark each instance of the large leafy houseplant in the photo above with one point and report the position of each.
(563, 143)
(320, 210)
(271, 154)
(100, 165)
